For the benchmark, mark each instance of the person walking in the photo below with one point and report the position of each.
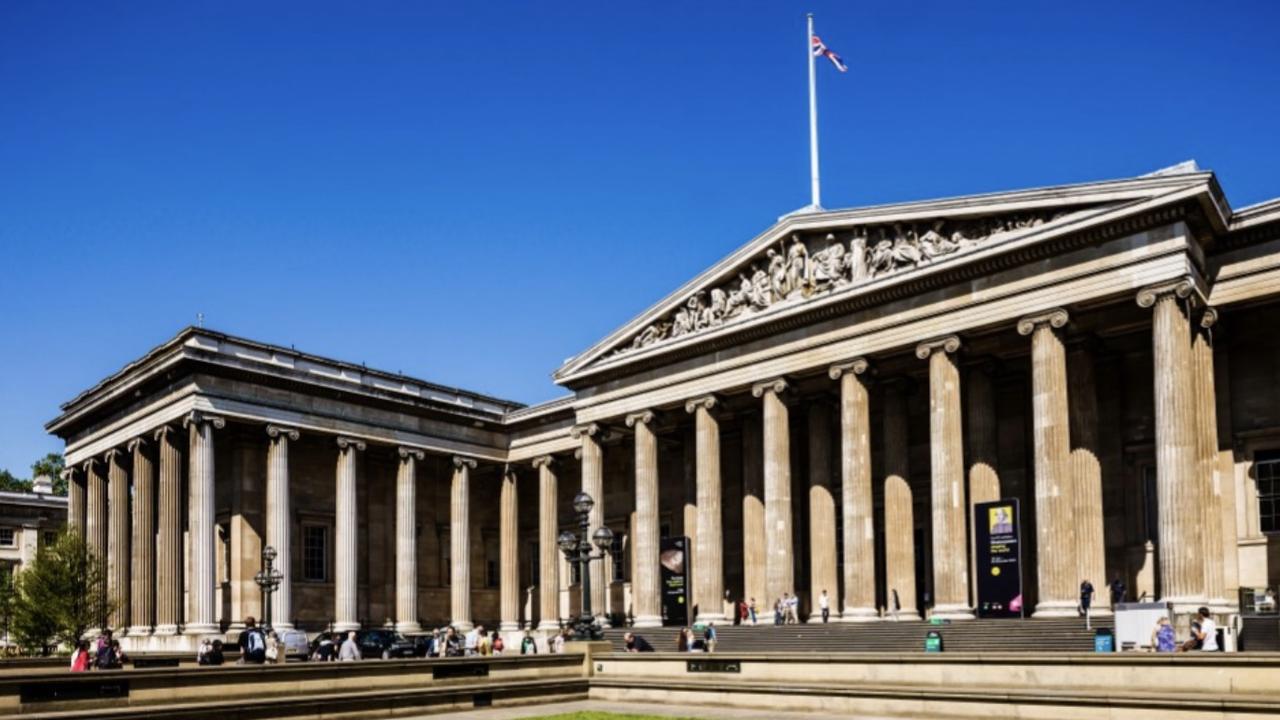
(1162, 637)
(1117, 590)
(897, 605)
(253, 643)
(349, 651)
(710, 638)
(824, 605)
(777, 611)
(80, 658)
(1086, 597)
(325, 650)
(751, 608)
(791, 607)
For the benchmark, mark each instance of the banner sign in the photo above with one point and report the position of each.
(998, 542)
(673, 557)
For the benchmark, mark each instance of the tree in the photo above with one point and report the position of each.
(51, 465)
(60, 595)
(13, 484)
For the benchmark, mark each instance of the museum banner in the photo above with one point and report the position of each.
(998, 540)
(674, 559)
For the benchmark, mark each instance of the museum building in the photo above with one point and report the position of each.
(820, 410)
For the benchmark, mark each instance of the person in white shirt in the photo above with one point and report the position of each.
(1208, 633)
(349, 650)
(472, 640)
(824, 604)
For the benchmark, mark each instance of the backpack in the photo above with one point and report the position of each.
(254, 644)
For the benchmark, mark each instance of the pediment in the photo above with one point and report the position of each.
(808, 258)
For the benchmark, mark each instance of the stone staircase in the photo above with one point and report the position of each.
(1030, 635)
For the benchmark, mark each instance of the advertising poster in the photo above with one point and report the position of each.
(674, 558)
(998, 541)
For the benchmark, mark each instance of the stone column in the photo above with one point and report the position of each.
(278, 521)
(753, 535)
(980, 432)
(118, 538)
(946, 455)
(346, 571)
(1179, 495)
(708, 572)
(645, 586)
(593, 485)
(143, 591)
(779, 568)
(75, 500)
(201, 608)
(899, 514)
(95, 523)
(822, 513)
(460, 542)
(169, 533)
(856, 506)
(407, 540)
(508, 553)
(1208, 476)
(1086, 476)
(1056, 562)
(548, 548)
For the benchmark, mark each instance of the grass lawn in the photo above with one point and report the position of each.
(592, 715)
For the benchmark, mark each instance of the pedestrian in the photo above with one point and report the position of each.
(499, 645)
(824, 604)
(777, 611)
(349, 651)
(1086, 597)
(1162, 637)
(557, 645)
(471, 643)
(484, 643)
(792, 606)
(682, 640)
(275, 654)
(752, 610)
(897, 605)
(107, 657)
(1208, 635)
(528, 646)
(452, 643)
(636, 643)
(80, 658)
(324, 651)
(102, 645)
(215, 655)
(1117, 590)
(709, 637)
(253, 643)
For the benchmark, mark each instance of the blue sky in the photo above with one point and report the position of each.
(473, 194)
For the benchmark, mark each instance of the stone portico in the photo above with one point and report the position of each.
(818, 411)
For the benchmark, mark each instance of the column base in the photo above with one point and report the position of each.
(952, 612)
(508, 626)
(347, 626)
(408, 626)
(647, 621)
(549, 626)
(165, 630)
(462, 626)
(200, 629)
(282, 626)
(865, 614)
(903, 615)
(138, 630)
(705, 618)
(1056, 609)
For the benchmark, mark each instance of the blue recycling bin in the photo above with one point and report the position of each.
(1104, 640)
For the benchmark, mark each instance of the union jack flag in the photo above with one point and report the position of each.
(821, 50)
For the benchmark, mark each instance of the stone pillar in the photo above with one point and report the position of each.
(169, 533)
(118, 538)
(346, 571)
(548, 548)
(899, 515)
(708, 571)
(143, 590)
(201, 608)
(593, 485)
(1179, 495)
(460, 542)
(946, 455)
(95, 523)
(1208, 476)
(1056, 562)
(779, 568)
(646, 600)
(822, 513)
(980, 432)
(856, 506)
(508, 553)
(75, 500)
(1086, 476)
(407, 540)
(753, 535)
(278, 521)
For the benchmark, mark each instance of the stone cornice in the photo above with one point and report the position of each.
(281, 431)
(408, 453)
(777, 386)
(857, 366)
(347, 443)
(949, 344)
(705, 402)
(1056, 318)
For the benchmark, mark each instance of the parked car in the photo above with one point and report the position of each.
(294, 642)
(384, 644)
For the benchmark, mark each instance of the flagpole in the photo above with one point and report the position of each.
(813, 121)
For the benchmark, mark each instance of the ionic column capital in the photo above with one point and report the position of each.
(461, 462)
(776, 386)
(1209, 318)
(948, 344)
(857, 366)
(577, 432)
(1181, 288)
(346, 443)
(198, 418)
(111, 454)
(406, 453)
(88, 465)
(280, 431)
(1055, 318)
(705, 402)
(543, 461)
(69, 474)
(644, 416)
(162, 432)
(138, 442)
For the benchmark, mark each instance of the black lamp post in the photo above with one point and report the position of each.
(268, 578)
(577, 550)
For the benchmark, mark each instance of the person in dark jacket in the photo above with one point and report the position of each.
(636, 643)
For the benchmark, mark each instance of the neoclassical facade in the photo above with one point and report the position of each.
(818, 411)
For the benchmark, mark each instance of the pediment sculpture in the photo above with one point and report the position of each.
(800, 268)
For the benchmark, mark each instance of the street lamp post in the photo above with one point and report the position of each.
(268, 579)
(577, 550)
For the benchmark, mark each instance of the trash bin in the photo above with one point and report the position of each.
(1104, 640)
(933, 641)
